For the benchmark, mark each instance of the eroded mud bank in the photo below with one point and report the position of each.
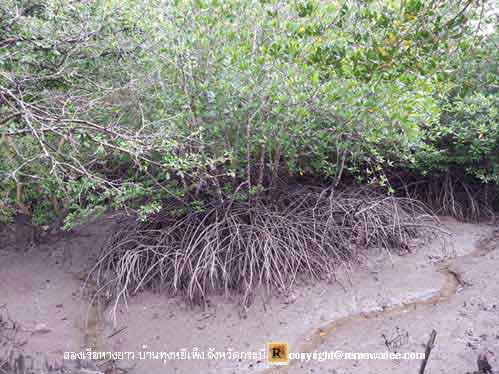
(412, 293)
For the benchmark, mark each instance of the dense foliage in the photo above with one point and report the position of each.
(179, 104)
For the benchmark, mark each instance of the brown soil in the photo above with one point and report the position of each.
(450, 285)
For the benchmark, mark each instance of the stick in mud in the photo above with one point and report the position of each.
(429, 347)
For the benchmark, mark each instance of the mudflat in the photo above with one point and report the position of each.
(391, 302)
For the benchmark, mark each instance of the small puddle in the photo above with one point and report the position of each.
(93, 327)
(450, 287)
(91, 323)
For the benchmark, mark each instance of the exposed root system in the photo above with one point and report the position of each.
(242, 246)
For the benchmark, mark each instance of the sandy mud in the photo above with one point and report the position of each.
(390, 302)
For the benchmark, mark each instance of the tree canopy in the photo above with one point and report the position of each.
(147, 105)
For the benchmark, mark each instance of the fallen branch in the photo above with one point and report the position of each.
(429, 347)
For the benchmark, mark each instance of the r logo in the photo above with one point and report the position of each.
(277, 353)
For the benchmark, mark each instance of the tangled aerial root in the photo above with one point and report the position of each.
(455, 197)
(243, 246)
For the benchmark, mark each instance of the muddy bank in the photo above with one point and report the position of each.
(43, 297)
(366, 299)
(465, 313)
